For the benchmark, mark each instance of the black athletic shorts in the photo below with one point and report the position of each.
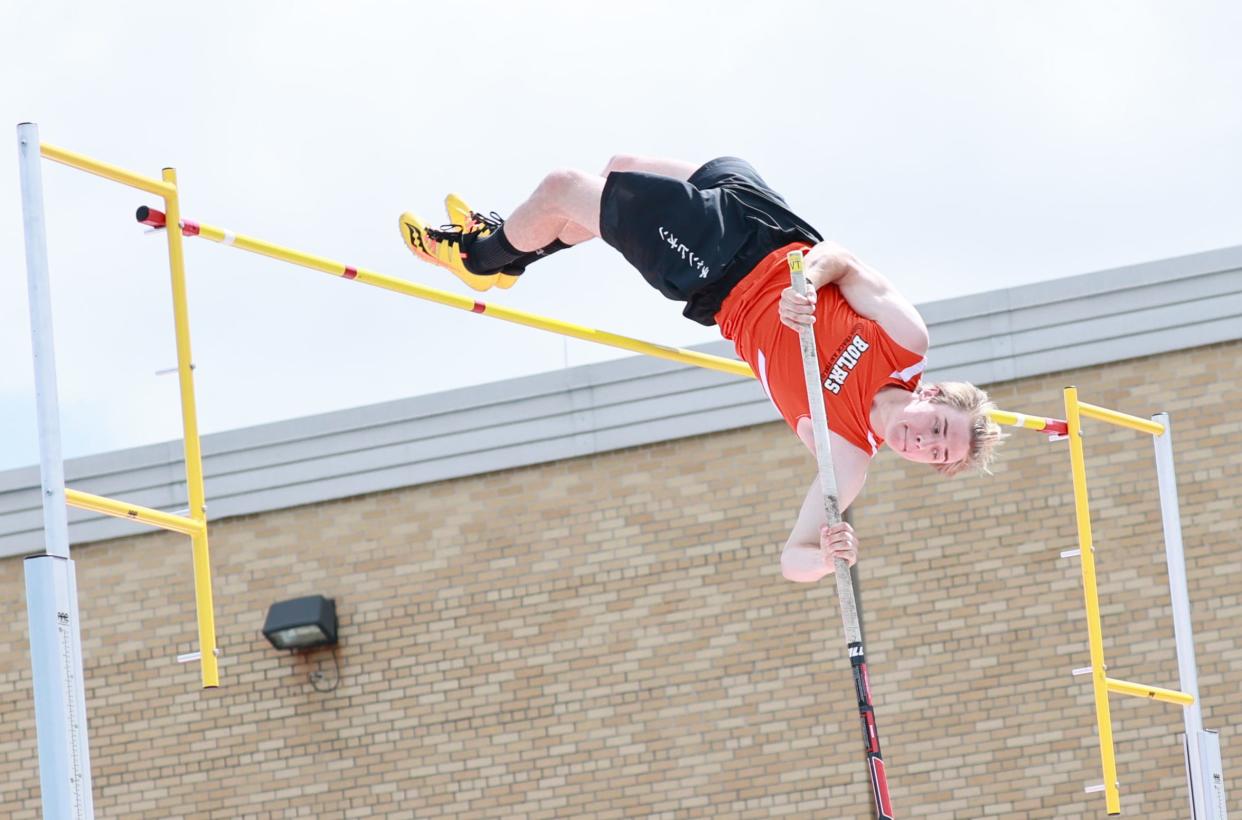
(694, 240)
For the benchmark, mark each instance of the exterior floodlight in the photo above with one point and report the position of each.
(301, 623)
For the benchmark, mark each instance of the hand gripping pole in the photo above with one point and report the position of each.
(845, 584)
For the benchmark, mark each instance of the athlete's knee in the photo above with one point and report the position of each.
(558, 185)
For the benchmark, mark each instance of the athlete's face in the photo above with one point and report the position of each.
(927, 432)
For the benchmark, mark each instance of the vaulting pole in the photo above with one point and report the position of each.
(841, 568)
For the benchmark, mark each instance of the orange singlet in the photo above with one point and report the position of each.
(856, 356)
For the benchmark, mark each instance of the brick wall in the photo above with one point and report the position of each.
(611, 637)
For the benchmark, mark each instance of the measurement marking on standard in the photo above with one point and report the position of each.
(64, 630)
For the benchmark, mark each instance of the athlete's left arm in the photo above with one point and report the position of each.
(809, 551)
(869, 293)
(813, 546)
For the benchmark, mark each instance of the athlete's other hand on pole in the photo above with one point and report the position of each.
(797, 311)
(838, 541)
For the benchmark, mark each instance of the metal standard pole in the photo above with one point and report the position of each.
(841, 568)
(1203, 775)
(55, 515)
(51, 590)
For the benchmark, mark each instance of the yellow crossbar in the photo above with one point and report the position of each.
(1138, 690)
(443, 297)
(133, 512)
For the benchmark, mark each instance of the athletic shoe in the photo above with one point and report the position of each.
(447, 247)
(459, 213)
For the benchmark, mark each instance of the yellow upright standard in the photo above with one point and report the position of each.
(1101, 684)
(1095, 637)
(193, 448)
(195, 525)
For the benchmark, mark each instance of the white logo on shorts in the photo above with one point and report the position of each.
(692, 259)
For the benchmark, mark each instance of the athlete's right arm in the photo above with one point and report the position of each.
(868, 292)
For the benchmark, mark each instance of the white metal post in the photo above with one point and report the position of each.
(1203, 774)
(51, 591)
(55, 515)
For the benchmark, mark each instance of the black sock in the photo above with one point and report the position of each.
(498, 254)
(534, 256)
(492, 253)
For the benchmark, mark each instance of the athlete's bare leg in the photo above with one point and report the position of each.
(566, 203)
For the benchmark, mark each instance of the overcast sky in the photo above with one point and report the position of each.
(959, 147)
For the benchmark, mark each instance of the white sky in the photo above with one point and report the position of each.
(957, 146)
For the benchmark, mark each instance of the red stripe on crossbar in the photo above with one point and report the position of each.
(479, 307)
(189, 228)
(350, 273)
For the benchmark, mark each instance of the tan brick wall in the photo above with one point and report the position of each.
(611, 637)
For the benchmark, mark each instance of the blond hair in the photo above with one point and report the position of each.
(985, 434)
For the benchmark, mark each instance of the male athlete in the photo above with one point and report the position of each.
(715, 237)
